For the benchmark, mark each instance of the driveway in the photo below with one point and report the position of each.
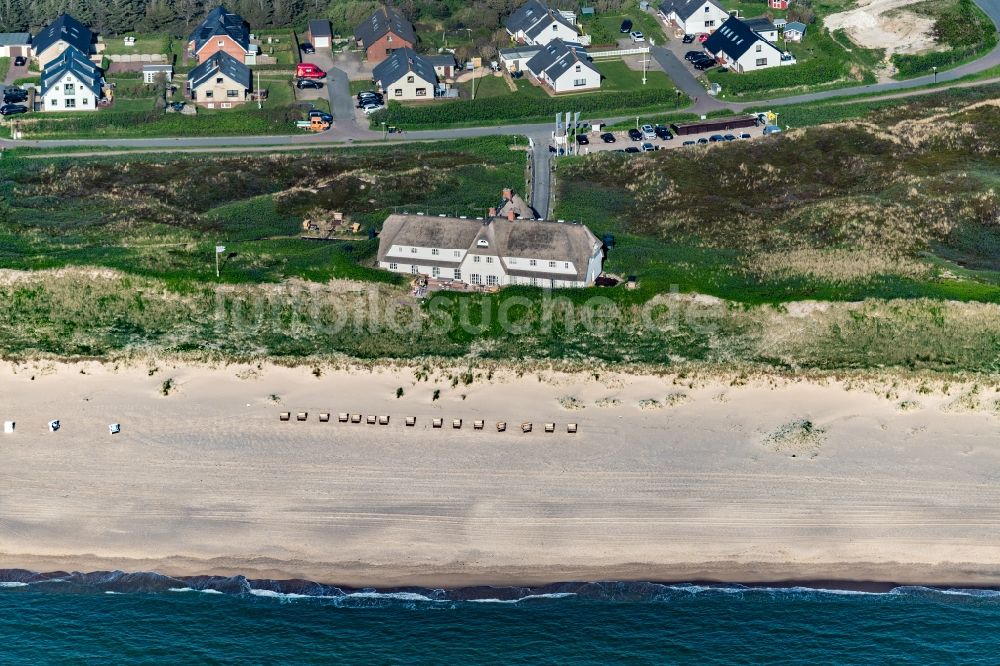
(338, 89)
(15, 73)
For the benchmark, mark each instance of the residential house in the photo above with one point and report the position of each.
(534, 23)
(150, 72)
(779, 23)
(15, 44)
(777, 4)
(220, 82)
(320, 34)
(384, 32)
(794, 31)
(444, 65)
(406, 76)
(693, 17)
(514, 59)
(57, 36)
(496, 251)
(564, 68)
(763, 27)
(737, 46)
(221, 30)
(71, 82)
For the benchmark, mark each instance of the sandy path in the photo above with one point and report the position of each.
(868, 26)
(208, 480)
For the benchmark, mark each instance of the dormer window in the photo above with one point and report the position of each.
(482, 242)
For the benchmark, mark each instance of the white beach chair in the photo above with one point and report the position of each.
(285, 416)
(456, 424)
(8, 427)
(550, 427)
(54, 425)
(411, 421)
(571, 428)
(525, 427)
(115, 428)
(501, 426)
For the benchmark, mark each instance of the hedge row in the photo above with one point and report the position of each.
(516, 107)
(809, 73)
(911, 65)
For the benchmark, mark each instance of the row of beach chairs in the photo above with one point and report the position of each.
(411, 421)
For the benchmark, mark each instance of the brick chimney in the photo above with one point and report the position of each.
(507, 194)
(510, 215)
(493, 212)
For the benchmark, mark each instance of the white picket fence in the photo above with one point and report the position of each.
(619, 53)
(138, 57)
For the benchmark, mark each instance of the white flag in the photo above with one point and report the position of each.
(219, 249)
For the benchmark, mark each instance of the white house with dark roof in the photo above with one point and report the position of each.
(222, 30)
(763, 27)
(57, 36)
(693, 17)
(564, 68)
(534, 23)
(794, 31)
(406, 76)
(737, 46)
(497, 251)
(71, 82)
(221, 82)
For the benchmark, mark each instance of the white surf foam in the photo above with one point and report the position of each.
(551, 595)
(13, 583)
(398, 596)
(191, 589)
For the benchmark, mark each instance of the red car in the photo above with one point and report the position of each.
(702, 38)
(307, 70)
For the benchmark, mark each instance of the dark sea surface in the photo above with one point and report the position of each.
(146, 618)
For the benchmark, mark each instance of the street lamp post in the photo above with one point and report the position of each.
(384, 135)
(935, 73)
(469, 30)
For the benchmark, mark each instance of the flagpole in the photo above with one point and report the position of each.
(216, 264)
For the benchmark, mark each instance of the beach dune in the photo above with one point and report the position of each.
(665, 480)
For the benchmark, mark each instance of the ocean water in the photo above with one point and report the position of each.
(146, 619)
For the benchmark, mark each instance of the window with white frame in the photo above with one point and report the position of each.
(435, 271)
(421, 92)
(709, 24)
(761, 62)
(475, 258)
(409, 79)
(435, 251)
(413, 269)
(759, 47)
(413, 250)
(532, 262)
(579, 82)
(393, 267)
(476, 278)
(492, 280)
(458, 274)
(552, 264)
(489, 260)
(71, 104)
(457, 253)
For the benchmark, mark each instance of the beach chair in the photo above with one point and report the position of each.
(54, 425)
(371, 419)
(571, 428)
(324, 417)
(302, 416)
(383, 420)
(342, 417)
(456, 424)
(285, 416)
(550, 427)
(115, 428)
(501, 426)
(437, 423)
(525, 427)
(478, 425)
(411, 421)
(8, 427)
(355, 418)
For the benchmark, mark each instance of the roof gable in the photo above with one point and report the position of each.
(533, 18)
(400, 63)
(220, 22)
(73, 62)
(220, 63)
(734, 38)
(557, 57)
(384, 20)
(795, 25)
(320, 28)
(64, 28)
(685, 9)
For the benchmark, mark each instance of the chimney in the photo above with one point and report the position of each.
(510, 215)
(493, 212)
(507, 194)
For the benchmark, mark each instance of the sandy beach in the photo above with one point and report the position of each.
(668, 478)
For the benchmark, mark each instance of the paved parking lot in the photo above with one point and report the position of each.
(622, 140)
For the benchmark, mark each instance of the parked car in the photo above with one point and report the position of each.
(369, 95)
(632, 149)
(637, 36)
(730, 137)
(371, 108)
(662, 132)
(322, 115)
(744, 136)
(608, 137)
(705, 64)
(307, 48)
(648, 132)
(691, 56)
(20, 61)
(308, 83)
(14, 95)
(177, 106)
(635, 134)
(702, 38)
(688, 143)
(771, 129)
(11, 109)
(687, 39)
(307, 70)
(648, 147)
(715, 138)
(582, 140)
(702, 141)
(626, 26)
(370, 98)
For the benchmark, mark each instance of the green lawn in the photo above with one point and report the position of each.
(360, 86)
(604, 29)
(486, 86)
(143, 44)
(4, 67)
(618, 76)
